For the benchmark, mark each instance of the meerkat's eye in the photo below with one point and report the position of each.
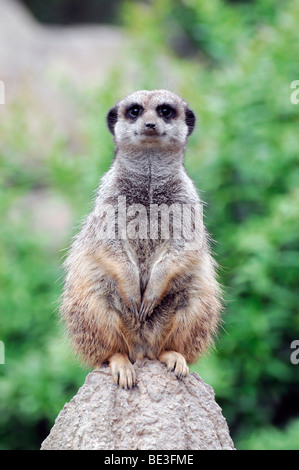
(134, 111)
(166, 111)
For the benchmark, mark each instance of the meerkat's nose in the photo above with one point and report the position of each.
(150, 125)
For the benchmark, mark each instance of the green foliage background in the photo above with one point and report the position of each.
(234, 63)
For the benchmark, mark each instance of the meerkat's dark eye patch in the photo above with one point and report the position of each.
(190, 120)
(112, 119)
(166, 111)
(134, 111)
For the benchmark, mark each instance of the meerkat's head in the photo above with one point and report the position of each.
(151, 119)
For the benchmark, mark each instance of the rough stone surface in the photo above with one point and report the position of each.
(161, 413)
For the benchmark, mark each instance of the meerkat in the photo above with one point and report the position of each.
(156, 296)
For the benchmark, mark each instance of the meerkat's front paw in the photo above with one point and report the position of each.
(174, 361)
(122, 371)
(131, 296)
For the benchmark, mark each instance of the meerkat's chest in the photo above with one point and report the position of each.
(150, 189)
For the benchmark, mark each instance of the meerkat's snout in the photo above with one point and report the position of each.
(150, 125)
(150, 128)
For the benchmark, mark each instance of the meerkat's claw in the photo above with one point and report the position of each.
(147, 307)
(135, 309)
(122, 371)
(175, 362)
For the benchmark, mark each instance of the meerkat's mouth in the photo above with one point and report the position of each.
(151, 133)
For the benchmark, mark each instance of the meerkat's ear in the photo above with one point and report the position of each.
(190, 120)
(112, 119)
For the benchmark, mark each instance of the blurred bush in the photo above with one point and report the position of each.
(234, 63)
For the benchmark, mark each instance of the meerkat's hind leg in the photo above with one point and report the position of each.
(174, 361)
(122, 371)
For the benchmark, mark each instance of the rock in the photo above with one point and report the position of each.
(161, 413)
